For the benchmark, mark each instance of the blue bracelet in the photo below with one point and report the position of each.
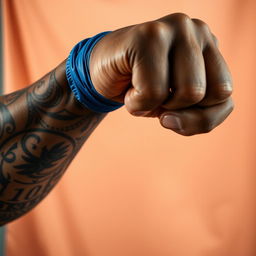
(79, 80)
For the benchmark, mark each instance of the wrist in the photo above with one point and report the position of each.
(79, 80)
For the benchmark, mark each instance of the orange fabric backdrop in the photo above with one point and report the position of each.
(137, 189)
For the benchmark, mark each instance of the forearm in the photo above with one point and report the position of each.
(42, 128)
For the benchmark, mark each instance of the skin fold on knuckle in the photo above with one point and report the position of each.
(222, 92)
(192, 95)
(180, 18)
(179, 26)
(146, 100)
(175, 18)
(153, 98)
(226, 90)
(149, 31)
(201, 24)
(203, 33)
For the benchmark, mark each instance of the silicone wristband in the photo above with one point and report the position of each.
(79, 80)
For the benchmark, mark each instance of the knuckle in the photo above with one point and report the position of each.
(201, 24)
(154, 96)
(203, 32)
(224, 91)
(215, 39)
(192, 95)
(149, 99)
(175, 18)
(151, 29)
(181, 17)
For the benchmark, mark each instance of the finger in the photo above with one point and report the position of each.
(196, 120)
(149, 71)
(219, 81)
(215, 40)
(187, 76)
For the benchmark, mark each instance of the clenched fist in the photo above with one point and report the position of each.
(169, 68)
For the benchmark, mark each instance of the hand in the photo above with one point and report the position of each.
(170, 68)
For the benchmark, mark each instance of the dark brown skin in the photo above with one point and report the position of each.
(170, 68)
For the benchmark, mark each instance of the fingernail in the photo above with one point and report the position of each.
(172, 122)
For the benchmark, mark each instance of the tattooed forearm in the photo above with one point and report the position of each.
(42, 127)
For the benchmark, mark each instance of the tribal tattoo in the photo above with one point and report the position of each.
(42, 127)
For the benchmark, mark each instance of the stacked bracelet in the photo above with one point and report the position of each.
(79, 80)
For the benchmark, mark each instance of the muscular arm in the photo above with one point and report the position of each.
(42, 127)
(170, 68)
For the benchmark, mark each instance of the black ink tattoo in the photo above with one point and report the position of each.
(42, 127)
(7, 124)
